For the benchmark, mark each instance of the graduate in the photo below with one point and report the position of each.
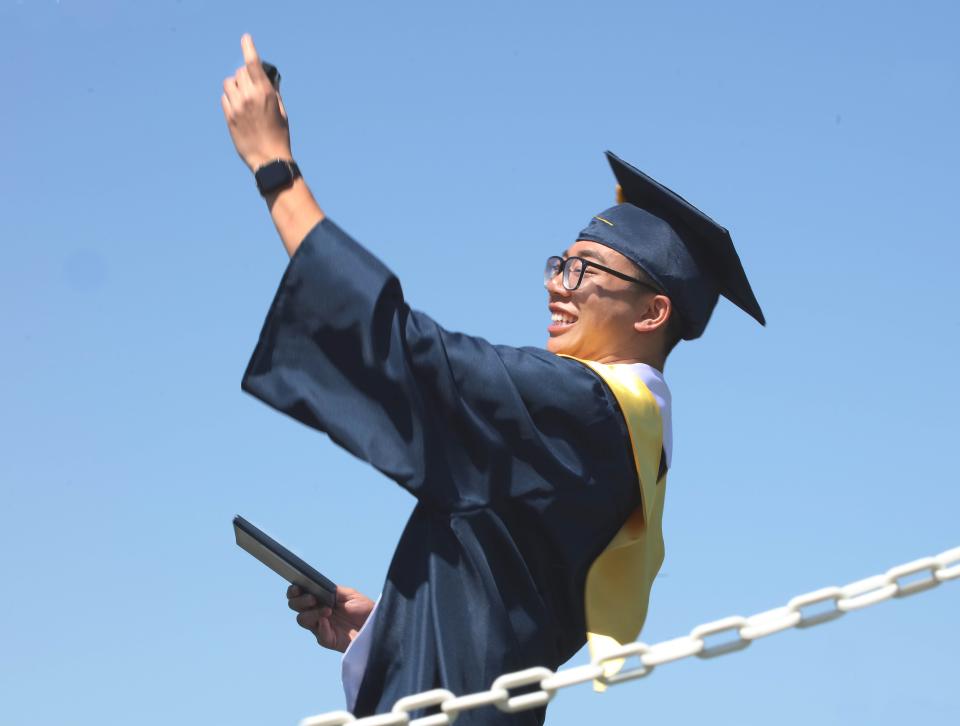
(539, 474)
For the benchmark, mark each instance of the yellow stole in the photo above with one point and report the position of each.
(619, 581)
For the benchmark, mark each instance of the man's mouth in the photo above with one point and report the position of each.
(560, 321)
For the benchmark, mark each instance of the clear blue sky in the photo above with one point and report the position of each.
(139, 263)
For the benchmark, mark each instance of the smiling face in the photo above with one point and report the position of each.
(599, 320)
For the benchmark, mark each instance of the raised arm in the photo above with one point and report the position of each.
(258, 125)
(457, 421)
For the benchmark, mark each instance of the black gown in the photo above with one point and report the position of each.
(519, 459)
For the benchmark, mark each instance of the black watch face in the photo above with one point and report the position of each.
(273, 176)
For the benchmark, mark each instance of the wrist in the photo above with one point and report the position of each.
(295, 212)
(255, 162)
(276, 175)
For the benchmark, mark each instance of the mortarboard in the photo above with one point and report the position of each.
(691, 257)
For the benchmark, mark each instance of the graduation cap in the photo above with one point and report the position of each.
(687, 254)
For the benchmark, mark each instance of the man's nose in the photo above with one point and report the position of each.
(555, 286)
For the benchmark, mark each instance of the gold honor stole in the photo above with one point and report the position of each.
(619, 580)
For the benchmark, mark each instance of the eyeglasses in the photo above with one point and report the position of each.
(572, 269)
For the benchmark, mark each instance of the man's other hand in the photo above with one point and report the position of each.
(254, 112)
(334, 628)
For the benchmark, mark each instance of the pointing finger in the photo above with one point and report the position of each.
(249, 50)
(254, 66)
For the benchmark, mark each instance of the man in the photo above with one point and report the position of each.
(539, 474)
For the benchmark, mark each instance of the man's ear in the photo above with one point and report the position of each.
(654, 315)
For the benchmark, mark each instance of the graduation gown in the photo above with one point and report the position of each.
(520, 461)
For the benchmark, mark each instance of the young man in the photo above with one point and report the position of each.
(539, 474)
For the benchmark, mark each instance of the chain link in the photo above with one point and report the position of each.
(925, 564)
(945, 560)
(825, 594)
(668, 651)
(436, 697)
(769, 622)
(334, 718)
(524, 678)
(494, 697)
(854, 596)
(617, 657)
(724, 625)
(865, 592)
(573, 676)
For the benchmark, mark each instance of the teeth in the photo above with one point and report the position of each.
(561, 318)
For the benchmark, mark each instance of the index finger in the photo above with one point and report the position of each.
(249, 50)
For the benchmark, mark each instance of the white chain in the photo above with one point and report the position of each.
(741, 631)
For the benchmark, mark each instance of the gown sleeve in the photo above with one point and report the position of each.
(458, 422)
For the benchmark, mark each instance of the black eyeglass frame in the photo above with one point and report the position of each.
(589, 263)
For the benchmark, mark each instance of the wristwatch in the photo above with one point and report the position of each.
(276, 175)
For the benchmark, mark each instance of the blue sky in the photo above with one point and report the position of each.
(139, 263)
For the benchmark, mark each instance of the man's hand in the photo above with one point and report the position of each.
(254, 111)
(335, 628)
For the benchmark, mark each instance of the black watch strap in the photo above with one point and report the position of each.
(275, 175)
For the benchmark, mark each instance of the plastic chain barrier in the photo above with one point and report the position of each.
(738, 632)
